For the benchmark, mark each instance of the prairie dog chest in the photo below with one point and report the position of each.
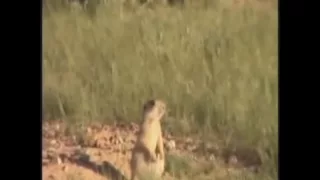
(150, 132)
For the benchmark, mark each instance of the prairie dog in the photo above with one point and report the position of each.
(148, 152)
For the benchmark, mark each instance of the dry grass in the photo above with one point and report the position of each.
(216, 66)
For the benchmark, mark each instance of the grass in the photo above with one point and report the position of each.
(215, 65)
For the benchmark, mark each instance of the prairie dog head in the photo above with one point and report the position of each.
(154, 109)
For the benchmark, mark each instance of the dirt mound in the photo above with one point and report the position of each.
(103, 152)
(68, 172)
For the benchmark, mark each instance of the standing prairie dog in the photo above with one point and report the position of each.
(148, 152)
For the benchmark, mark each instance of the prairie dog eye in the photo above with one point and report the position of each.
(149, 105)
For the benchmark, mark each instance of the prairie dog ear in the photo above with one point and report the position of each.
(148, 105)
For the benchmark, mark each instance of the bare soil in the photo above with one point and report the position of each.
(103, 152)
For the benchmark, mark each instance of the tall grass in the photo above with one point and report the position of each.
(216, 66)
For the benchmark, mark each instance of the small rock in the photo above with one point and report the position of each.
(170, 145)
(191, 147)
(193, 157)
(233, 160)
(53, 142)
(89, 130)
(74, 138)
(57, 127)
(189, 140)
(212, 157)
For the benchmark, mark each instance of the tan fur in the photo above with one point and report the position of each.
(148, 153)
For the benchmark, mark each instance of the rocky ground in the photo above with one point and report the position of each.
(102, 151)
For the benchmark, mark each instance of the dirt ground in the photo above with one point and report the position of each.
(103, 152)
